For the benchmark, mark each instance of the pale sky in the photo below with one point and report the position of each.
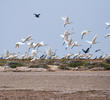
(17, 21)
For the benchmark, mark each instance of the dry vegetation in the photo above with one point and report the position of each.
(63, 64)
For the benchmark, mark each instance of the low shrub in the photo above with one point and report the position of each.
(77, 64)
(2, 62)
(15, 64)
(105, 65)
(64, 67)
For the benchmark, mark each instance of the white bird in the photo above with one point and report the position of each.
(108, 25)
(93, 40)
(66, 34)
(30, 44)
(107, 35)
(68, 55)
(40, 44)
(28, 38)
(7, 53)
(12, 56)
(74, 44)
(49, 53)
(34, 53)
(84, 33)
(66, 20)
(77, 55)
(33, 59)
(18, 44)
(24, 55)
(68, 42)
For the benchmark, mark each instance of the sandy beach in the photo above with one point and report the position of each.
(77, 85)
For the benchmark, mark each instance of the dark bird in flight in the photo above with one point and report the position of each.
(36, 15)
(86, 51)
(97, 50)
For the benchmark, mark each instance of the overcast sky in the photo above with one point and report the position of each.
(17, 21)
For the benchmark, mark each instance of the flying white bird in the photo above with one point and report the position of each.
(107, 35)
(30, 44)
(40, 44)
(108, 25)
(28, 38)
(65, 35)
(66, 20)
(18, 44)
(68, 42)
(74, 44)
(93, 40)
(84, 33)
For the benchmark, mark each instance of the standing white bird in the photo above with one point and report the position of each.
(12, 56)
(107, 35)
(49, 53)
(34, 53)
(67, 56)
(93, 40)
(66, 20)
(18, 44)
(108, 25)
(77, 55)
(24, 55)
(84, 33)
(7, 53)
(28, 38)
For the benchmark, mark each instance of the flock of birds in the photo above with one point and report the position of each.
(33, 48)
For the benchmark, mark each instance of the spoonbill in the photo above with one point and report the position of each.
(28, 38)
(74, 44)
(93, 40)
(107, 35)
(68, 42)
(18, 44)
(66, 20)
(84, 33)
(108, 25)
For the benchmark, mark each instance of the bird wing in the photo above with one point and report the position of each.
(87, 50)
(67, 19)
(83, 50)
(62, 35)
(94, 39)
(107, 35)
(63, 18)
(89, 42)
(107, 23)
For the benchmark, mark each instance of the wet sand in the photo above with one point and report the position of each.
(77, 85)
